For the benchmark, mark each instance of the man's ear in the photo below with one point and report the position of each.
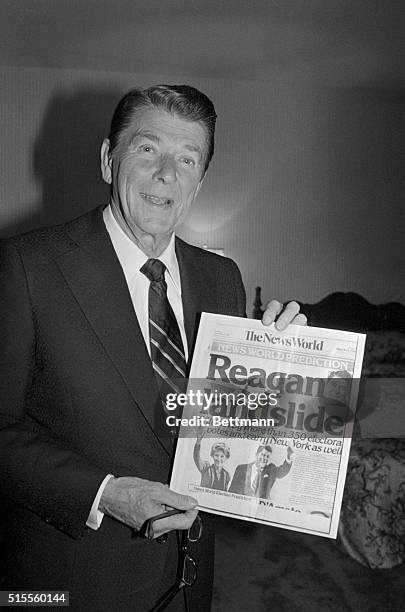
(106, 161)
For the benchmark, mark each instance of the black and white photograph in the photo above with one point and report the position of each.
(160, 160)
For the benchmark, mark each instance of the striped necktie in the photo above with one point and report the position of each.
(166, 346)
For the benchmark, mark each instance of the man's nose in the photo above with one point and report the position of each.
(165, 170)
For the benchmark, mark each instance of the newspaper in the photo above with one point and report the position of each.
(267, 422)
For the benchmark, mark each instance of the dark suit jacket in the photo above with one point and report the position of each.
(270, 474)
(77, 401)
(242, 479)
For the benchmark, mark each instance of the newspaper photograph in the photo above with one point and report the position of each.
(266, 422)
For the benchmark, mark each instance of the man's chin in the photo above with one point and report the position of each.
(159, 232)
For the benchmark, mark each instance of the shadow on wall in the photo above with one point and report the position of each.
(66, 158)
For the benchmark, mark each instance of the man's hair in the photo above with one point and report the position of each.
(183, 100)
(266, 448)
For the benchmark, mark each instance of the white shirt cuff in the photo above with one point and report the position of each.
(96, 516)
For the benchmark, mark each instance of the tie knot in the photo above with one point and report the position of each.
(154, 269)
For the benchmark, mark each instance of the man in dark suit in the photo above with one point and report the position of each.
(272, 472)
(257, 478)
(82, 464)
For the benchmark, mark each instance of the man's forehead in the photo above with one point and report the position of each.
(155, 123)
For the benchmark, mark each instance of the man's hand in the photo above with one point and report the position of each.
(290, 314)
(133, 500)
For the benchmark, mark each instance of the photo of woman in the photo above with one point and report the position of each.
(213, 475)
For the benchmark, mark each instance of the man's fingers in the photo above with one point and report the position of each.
(183, 520)
(288, 315)
(166, 496)
(132, 500)
(300, 319)
(273, 308)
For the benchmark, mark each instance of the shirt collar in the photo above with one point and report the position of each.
(132, 258)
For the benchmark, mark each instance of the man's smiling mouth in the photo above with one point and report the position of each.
(156, 200)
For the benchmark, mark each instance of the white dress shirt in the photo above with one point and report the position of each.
(132, 259)
(255, 475)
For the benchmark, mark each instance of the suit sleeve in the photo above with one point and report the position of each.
(36, 471)
(283, 469)
(239, 290)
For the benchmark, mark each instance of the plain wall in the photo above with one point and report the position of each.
(303, 192)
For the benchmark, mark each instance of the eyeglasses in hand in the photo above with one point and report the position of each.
(187, 567)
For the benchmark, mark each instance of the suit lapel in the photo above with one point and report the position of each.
(190, 291)
(196, 293)
(94, 275)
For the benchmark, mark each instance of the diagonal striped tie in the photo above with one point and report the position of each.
(167, 351)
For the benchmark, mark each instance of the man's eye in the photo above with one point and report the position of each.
(146, 148)
(188, 161)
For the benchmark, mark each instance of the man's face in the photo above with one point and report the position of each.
(262, 459)
(156, 170)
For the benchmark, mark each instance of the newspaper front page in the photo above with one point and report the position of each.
(267, 421)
